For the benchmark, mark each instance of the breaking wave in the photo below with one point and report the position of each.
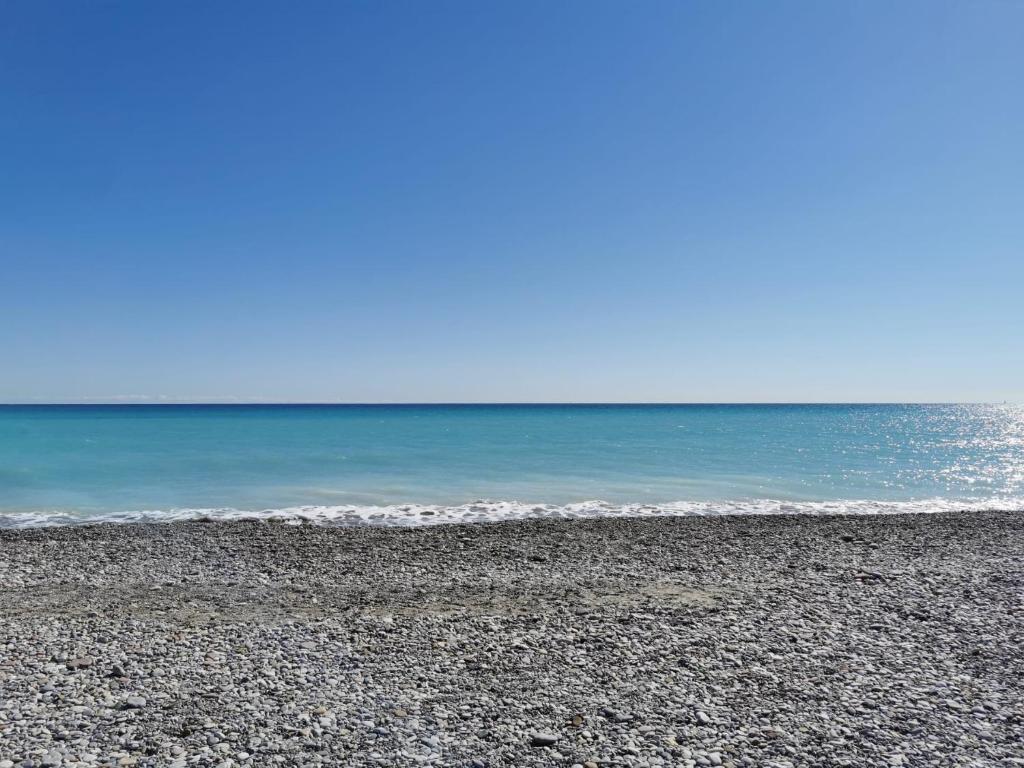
(397, 515)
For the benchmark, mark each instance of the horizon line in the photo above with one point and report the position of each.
(339, 403)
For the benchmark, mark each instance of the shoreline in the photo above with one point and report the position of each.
(661, 641)
(410, 514)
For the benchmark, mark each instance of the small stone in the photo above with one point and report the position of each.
(135, 702)
(702, 718)
(616, 716)
(543, 739)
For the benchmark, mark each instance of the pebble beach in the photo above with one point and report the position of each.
(731, 641)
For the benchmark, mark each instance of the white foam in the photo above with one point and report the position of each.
(396, 515)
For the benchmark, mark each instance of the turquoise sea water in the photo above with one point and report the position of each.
(415, 464)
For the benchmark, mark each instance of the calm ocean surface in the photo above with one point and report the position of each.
(416, 464)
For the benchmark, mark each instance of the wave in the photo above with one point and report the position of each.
(396, 515)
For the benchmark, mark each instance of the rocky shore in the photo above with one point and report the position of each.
(734, 641)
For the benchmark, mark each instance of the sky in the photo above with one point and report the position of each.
(526, 200)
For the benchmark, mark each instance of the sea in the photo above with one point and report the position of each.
(428, 464)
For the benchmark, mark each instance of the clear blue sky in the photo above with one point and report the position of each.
(565, 200)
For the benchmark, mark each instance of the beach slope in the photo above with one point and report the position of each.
(736, 641)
